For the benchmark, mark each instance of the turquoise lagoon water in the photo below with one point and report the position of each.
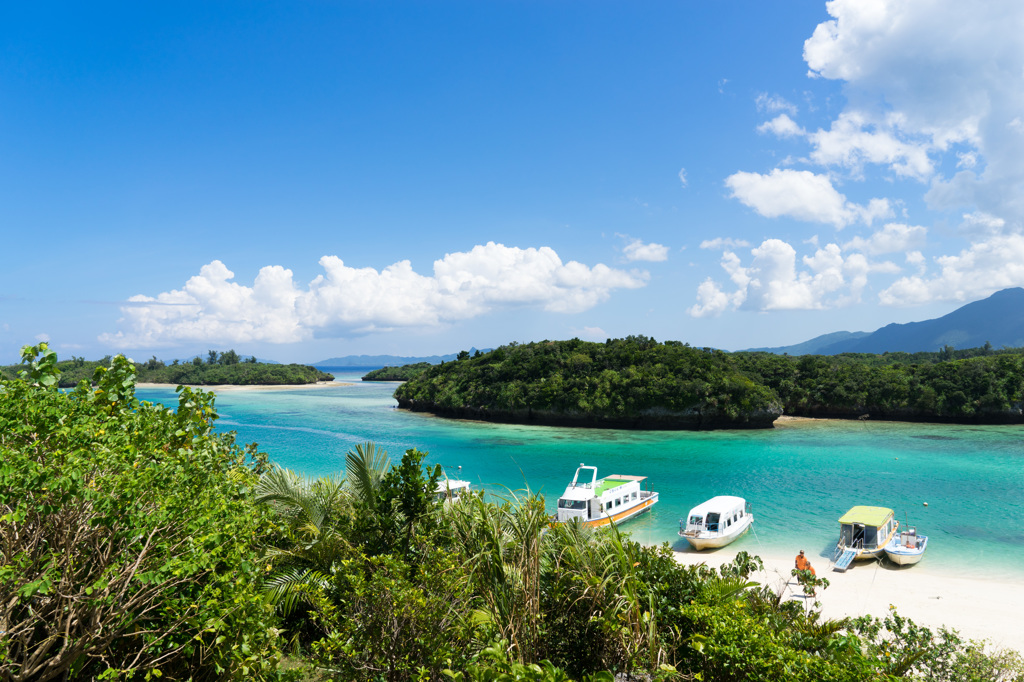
(799, 479)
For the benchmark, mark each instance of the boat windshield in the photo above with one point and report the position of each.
(572, 504)
(696, 520)
(713, 520)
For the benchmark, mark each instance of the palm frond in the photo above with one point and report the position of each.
(291, 586)
(366, 467)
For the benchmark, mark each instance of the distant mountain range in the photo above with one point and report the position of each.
(998, 319)
(387, 360)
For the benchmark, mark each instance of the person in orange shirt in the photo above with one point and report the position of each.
(802, 564)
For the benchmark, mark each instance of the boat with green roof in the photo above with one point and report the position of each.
(863, 534)
(599, 502)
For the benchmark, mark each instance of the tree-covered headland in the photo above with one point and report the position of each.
(139, 543)
(637, 382)
(216, 369)
(971, 386)
(634, 382)
(402, 373)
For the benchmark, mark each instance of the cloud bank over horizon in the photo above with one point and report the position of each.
(210, 307)
(934, 100)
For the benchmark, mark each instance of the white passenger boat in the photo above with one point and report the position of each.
(598, 502)
(863, 534)
(717, 522)
(450, 490)
(907, 548)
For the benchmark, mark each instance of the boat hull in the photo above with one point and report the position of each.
(866, 554)
(906, 556)
(704, 540)
(626, 514)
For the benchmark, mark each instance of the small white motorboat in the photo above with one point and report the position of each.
(907, 548)
(599, 502)
(717, 522)
(450, 490)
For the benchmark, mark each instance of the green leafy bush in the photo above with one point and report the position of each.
(127, 534)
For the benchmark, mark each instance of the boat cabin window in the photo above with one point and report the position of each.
(572, 504)
(713, 518)
(870, 536)
(633, 496)
(696, 520)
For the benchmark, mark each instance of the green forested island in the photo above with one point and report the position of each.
(403, 373)
(634, 382)
(140, 543)
(637, 382)
(216, 369)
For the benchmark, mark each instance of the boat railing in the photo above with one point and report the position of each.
(841, 547)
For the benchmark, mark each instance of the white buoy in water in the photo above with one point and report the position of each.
(926, 504)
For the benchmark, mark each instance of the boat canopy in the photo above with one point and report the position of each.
(868, 516)
(721, 504)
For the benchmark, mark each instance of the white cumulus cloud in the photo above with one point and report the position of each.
(637, 250)
(980, 222)
(345, 300)
(854, 140)
(802, 195)
(933, 92)
(782, 126)
(948, 72)
(892, 238)
(776, 279)
(982, 269)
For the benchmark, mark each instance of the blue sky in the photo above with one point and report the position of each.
(307, 180)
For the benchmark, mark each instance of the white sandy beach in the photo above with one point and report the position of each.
(224, 388)
(979, 608)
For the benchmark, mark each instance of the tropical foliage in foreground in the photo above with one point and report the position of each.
(490, 591)
(137, 543)
(639, 383)
(128, 535)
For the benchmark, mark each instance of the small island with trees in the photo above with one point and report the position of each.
(640, 383)
(634, 382)
(216, 369)
(403, 373)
